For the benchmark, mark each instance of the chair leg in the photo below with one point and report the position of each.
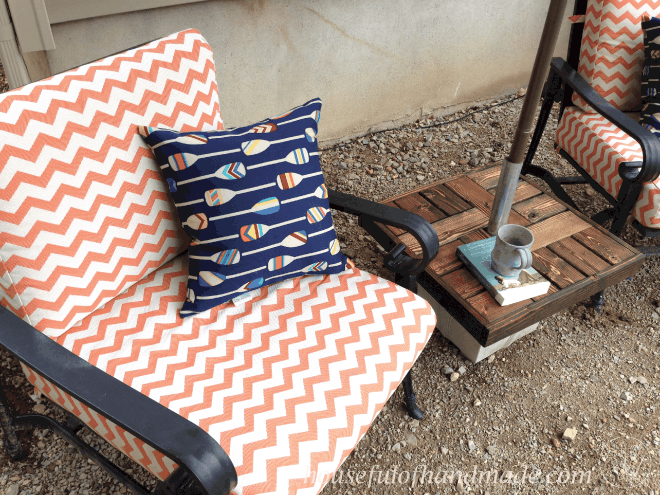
(597, 301)
(410, 399)
(13, 445)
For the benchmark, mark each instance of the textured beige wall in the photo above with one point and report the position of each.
(375, 63)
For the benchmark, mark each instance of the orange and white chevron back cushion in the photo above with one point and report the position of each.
(84, 212)
(612, 50)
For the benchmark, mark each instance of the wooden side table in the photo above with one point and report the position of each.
(579, 257)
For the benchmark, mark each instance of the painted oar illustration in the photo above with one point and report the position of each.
(189, 139)
(256, 231)
(320, 232)
(198, 221)
(299, 156)
(254, 284)
(279, 262)
(296, 239)
(321, 192)
(181, 161)
(211, 279)
(216, 197)
(257, 129)
(231, 171)
(256, 146)
(316, 115)
(266, 206)
(314, 267)
(228, 257)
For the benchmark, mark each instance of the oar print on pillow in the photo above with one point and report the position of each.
(254, 201)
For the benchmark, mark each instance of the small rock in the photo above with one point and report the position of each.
(471, 445)
(411, 439)
(41, 445)
(522, 92)
(396, 447)
(39, 408)
(569, 434)
(444, 450)
(477, 402)
(407, 456)
(642, 381)
(491, 449)
(446, 370)
(365, 141)
(461, 488)
(343, 166)
(463, 162)
(632, 379)
(454, 376)
(420, 178)
(491, 358)
(627, 396)
(349, 252)
(556, 443)
(13, 489)
(462, 370)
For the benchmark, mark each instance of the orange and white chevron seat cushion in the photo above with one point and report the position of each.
(85, 213)
(287, 382)
(612, 50)
(158, 464)
(599, 146)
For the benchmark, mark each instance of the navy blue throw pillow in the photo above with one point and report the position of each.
(254, 202)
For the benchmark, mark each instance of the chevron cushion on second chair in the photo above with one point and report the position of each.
(287, 382)
(611, 51)
(254, 201)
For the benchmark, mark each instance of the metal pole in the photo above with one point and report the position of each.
(506, 187)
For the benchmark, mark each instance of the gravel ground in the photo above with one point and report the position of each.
(509, 419)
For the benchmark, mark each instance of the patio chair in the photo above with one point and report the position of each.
(599, 87)
(270, 396)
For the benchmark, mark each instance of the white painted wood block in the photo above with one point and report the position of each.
(462, 339)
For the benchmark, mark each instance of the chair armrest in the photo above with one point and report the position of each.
(370, 211)
(647, 140)
(185, 443)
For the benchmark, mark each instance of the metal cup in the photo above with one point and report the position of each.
(512, 252)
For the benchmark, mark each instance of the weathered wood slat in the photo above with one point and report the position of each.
(554, 228)
(446, 260)
(554, 268)
(463, 283)
(475, 235)
(445, 199)
(451, 228)
(579, 256)
(478, 197)
(602, 245)
(484, 305)
(487, 177)
(539, 208)
(418, 205)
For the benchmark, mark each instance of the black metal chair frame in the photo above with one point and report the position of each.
(562, 82)
(204, 467)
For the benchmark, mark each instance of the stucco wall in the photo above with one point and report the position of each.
(374, 62)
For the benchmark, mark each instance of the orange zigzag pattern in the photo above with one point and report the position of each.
(599, 147)
(182, 84)
(149, 458)
(284, 333)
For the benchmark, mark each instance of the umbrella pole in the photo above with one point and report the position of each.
(506, 186)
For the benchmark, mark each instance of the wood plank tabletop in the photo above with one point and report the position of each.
(579, 257)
